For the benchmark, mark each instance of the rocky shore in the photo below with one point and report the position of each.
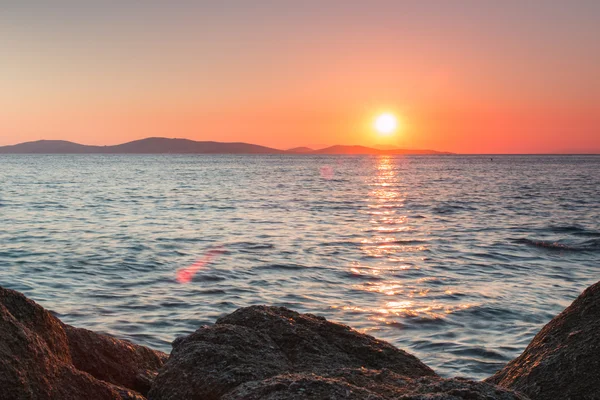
(274, 353)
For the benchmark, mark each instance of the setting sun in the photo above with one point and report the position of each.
(386, 123)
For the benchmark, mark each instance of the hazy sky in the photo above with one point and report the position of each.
(464, 76)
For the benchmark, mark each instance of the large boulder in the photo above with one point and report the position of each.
(112, 360)
(563, 359)
(213, 360)
(35, 321)
(300, 386)
(275, 353)
(37, 361)
(259, 342)
(312, 343)
(358, 384)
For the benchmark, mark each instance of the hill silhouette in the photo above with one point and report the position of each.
(143, 146)
(157, 145)
(48, 147)
(339, 149)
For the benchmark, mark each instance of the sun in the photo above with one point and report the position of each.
(386, 123)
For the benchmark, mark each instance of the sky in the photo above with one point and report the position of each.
(462, 76)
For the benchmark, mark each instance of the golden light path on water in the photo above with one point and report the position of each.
(407, 298)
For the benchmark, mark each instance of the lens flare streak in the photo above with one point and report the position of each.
(185, 275)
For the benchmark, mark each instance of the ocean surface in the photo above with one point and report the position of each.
(459, 260)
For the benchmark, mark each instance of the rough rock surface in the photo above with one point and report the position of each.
(36, 360)
(112, 360)
(312, 343)
(275, 353)
(367, 384)
(563, 359)
(213, 360)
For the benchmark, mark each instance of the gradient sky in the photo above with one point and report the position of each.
(463, 76)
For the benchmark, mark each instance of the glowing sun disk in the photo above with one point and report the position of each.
(386, 123)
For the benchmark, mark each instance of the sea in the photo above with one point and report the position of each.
(459, 260)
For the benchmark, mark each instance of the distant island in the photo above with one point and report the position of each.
(185, 146)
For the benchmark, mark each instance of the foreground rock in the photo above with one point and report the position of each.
(42, 358)
(112, 360)
(563, 359)
(275, 353)
(311, 343)
(367, 384)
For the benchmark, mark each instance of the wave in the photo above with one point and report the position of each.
(588, 245)
(280, 267)
(407, 242)
(250, 246)
(451, 209)
(573, 229)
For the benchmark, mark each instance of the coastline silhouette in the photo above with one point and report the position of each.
(159, 145)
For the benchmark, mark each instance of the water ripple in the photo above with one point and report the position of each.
(455, 259)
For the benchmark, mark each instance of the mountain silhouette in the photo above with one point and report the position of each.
(157, 145)
(143, 146)
(48, 147)
(339, 149)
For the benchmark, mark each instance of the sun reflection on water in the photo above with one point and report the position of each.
(400, 289)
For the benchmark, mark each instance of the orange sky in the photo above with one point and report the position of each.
(469, 77)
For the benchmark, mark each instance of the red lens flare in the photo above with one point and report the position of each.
(185, 275)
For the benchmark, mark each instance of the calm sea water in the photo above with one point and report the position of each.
(458, 260)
